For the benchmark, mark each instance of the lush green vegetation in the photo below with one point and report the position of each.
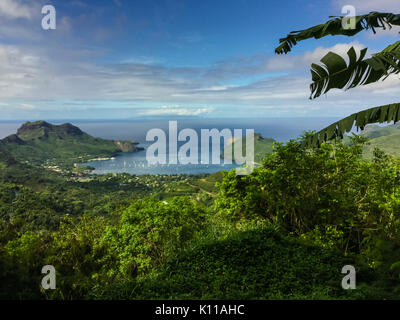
(255, 264)
(283, 232)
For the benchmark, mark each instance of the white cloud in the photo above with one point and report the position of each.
(30, 75)
(27, 106)
(216, 88)
(15, 9)
(178, 111)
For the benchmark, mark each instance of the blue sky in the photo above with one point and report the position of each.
(123, 59)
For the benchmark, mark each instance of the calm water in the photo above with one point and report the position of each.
(282, 129)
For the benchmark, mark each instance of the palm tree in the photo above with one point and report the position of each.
(334, 72)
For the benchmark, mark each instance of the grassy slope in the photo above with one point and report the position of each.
(385, 138)
(375, 131)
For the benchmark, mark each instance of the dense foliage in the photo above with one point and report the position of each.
(283, 232)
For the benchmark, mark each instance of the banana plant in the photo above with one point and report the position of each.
(334, 73)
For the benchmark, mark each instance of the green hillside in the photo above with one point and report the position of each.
(42, 143)
(13, 171)
(375, 131)
(386, 138)
(262, 146)
(6, 159)
(390, 144)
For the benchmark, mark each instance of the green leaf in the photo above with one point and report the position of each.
(373, 21)
(386, 113)
(336, 73)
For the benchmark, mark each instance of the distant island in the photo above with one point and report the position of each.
(40, 143)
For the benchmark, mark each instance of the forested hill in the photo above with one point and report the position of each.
(40, 142)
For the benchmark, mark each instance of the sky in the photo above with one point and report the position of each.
(127, 59)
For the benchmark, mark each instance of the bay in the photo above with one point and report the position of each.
(281, 129)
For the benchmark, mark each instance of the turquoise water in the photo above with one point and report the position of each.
(136, 163)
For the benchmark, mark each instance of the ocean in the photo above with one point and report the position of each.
(281, 129)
